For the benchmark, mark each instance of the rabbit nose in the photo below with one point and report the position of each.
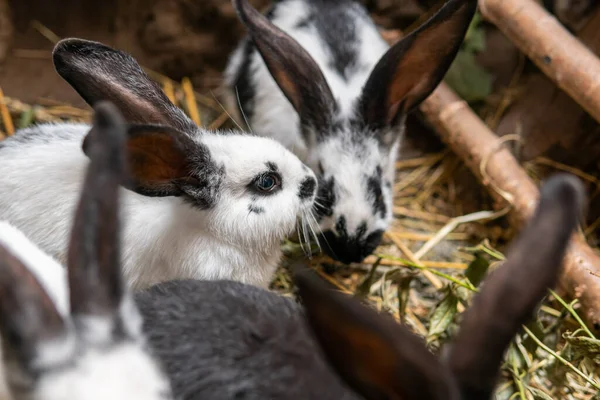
(349, 249)
(307, 188)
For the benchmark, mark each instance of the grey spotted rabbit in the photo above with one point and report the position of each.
(317, 76)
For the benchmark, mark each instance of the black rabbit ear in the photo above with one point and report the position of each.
(94, 258)
(98, 72)
(511, 293)
(28, 316)
(374, 355)
(410, 70)
(297, 74)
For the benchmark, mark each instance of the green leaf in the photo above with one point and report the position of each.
(475, 36)
(364, 288)
(537, 330)
(584, 346)
(26, 118)
(477, 269)
(468, 79)
(403, 292)
(442, 316)
(514, 358)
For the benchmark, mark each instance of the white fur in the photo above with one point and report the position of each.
(124, 372)
(164, 237)
(272, 111)
(83, 365)
(51, 275)
(98, 368)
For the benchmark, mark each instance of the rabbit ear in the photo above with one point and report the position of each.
(98, 72)
(511, 293)
(297, 74)
(373, 354)
(410, 70)
(158, 156)
(94, 259)
(28, 316)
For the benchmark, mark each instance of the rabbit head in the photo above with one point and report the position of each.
(381, 359)
(352, 143)
(250, 190)
(95, 349)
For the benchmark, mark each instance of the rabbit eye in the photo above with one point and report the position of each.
(267, 182)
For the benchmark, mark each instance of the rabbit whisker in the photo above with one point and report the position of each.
(237, 95)
(300, 238)
(306, 238)
(311, 223)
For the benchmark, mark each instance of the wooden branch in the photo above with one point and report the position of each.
(464, 132)
(563, 58)
(543, 113)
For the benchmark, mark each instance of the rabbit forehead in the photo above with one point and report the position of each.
(359, 172)
(245, 156)
(123, 372)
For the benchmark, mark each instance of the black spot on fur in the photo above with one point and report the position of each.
(243, 82)
(349, 248)
(255, 209)
(305, 22)
(325, 198)
(376, 194)
(307, 188)
(334, 21)
(340, 226)
(204, 192)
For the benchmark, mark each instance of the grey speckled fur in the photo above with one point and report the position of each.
(226, 340)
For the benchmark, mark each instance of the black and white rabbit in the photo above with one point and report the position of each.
(225, 340)
(317, 76)
(202, 205)
(85, 343)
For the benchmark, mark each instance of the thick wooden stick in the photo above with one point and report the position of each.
(563, 58)
(482, 151)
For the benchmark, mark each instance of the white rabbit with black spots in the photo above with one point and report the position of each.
(201, 204)
(88, 345)
(320, 69)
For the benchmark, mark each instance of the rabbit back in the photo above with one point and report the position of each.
(262, 350)
(44, 168)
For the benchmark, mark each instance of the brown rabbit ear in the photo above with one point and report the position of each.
(94, 258)
(28, 316)
(374, 355)
(512, 292)
(410, 70)
(297, 74)
(98, 72)
(157, 157)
